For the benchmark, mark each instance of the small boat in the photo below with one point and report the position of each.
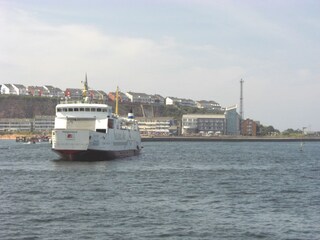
(90, 131)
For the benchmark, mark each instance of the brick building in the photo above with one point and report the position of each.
(248, 127)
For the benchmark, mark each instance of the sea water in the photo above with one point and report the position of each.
(173, 190)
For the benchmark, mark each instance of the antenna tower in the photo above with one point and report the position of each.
(241, 99)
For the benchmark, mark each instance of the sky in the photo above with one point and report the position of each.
(196, 49)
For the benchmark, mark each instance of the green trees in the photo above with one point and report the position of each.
(291, 132)
(267, 131)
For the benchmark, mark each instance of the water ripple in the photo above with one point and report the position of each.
(171, 191)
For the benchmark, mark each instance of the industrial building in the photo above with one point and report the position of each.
(233, 120)
(37, 124)
(157, 126)
(204, 124)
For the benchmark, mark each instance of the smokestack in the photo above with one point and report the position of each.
(241, 99)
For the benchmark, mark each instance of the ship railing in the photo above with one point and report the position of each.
(71, 101)
(68, 101)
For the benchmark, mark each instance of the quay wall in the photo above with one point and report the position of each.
(229, 139)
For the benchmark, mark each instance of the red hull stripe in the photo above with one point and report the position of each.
(94, 155)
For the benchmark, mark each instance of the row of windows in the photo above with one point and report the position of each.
(190, 120)
(163, 124)
(44, 123)
(211, 128)
(202, 120)
(210, 121)
(82, 109)
(153, 127)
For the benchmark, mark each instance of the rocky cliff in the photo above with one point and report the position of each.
(12, 106)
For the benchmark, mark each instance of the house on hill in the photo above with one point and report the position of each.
(53, 91)
(20, 89)
(208, 105)
(122, 96)
(14, 89)
(158, 99)
(180, 102)
(103, 96)
(73, 93)
(140, 97)
(38, 91)
(97, 95)
(7, 89)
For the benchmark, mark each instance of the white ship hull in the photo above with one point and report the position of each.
(90, 145)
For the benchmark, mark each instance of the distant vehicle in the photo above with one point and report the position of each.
(218, 133)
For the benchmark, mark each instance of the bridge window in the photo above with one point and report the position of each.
(98, 109)
(81, 109)
(101, 130)
(87, 109)
(59, 109)
(76, 109)
(70, 109)
(93, 109)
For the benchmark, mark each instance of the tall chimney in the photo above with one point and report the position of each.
(241, 99)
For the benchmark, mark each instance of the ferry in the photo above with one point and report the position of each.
(91, 132)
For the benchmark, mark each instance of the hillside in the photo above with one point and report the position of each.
(13, 106)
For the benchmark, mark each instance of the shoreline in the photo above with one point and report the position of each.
(14, 136)
(11, 136)
(201, 139)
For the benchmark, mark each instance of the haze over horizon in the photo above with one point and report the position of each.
(188, 49)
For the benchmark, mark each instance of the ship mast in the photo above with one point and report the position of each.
(85, 89)
(117, 101)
